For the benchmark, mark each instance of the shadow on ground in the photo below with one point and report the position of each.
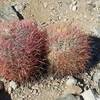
(4, 95)
(95, 45)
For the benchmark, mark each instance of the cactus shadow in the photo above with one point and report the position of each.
(4, 95)
(95, 50)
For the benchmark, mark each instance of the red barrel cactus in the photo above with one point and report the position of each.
(70, 49)
(22, 49)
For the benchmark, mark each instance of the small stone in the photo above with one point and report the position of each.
(10, 90)
(88, 95)
(62, 81)
(59, 17)
(34, 91)
(98, 98)
(71, 81)
(74, 5)
(51, 78)
(45, 4)
(13, 85)
(6, 13)
(96, 31)
(72, 90)
(96, 76)
(74, 8)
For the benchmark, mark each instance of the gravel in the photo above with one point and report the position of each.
(84, 12)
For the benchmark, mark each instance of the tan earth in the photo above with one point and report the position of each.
(85, 13)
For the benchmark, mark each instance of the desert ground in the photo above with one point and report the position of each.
(86, 14)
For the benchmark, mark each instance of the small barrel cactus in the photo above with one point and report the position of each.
(70, 49)
(22, 49)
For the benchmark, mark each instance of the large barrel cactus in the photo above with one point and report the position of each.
(70, 49)
(22, 49)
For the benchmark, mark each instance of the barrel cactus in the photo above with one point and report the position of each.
(70, 49)
(22, 49)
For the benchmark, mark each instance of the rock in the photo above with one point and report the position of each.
(70, 86)
(10, 90)
(68, 97)
(96, 78)
(51, 78)
(35, 92)
(98, 98)
(88, 95)
(45, 4)
(96, 31)
(71, 81)
(7, 13)
(12, 86)
(74, 6)
(72, 90)
(20, 5)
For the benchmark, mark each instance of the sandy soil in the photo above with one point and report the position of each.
(86, 13)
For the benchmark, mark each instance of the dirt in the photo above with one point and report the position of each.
(85, 13)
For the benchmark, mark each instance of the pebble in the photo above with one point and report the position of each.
(12, 86)
(88, 95)
(72, 90)
(74, 6)
(98, 98)
(10, 90)
(96, 31)
(96, 76)
(35, 92)
(45, 4)
(51, 78)
(6, 12)
(71, 81)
